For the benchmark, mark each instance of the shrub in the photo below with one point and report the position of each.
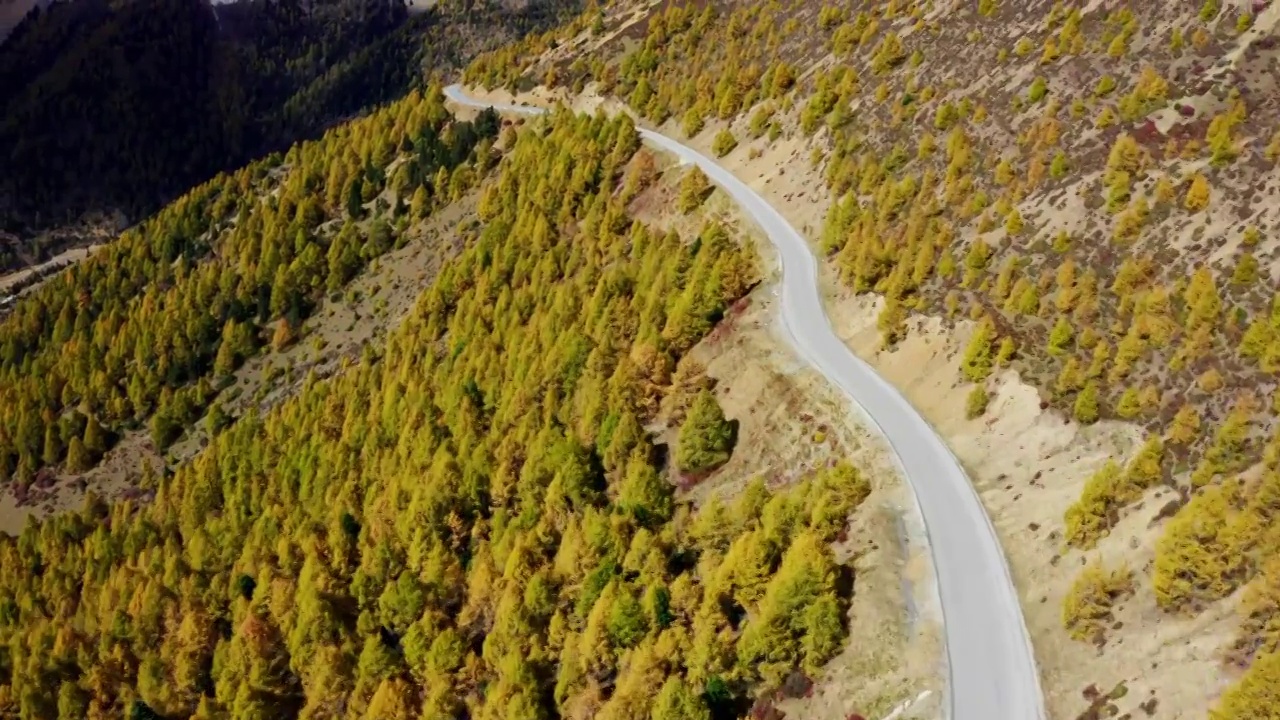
(1013, 223)
(1051, 51)
(975, 405)
(724, 143)
(1086, 610)
(692, 122)
(1119, 47)
(760, 120)
(1069, 378)
(1038, 91)
(1059, 166)
(888, 53)
(284, 335)
(1060, 337)
(1086, 407)
(1246, 270)
(1210, 380)
(1128, 407)
(1197, 198)
(1106, 118)
(946, 116)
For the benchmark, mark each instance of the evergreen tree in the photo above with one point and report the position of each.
(693, 189)
(355, 198)
(977, 360)
(706, 439)
(677, 701)
(1086, 407)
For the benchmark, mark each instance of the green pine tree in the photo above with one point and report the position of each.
(706, 439)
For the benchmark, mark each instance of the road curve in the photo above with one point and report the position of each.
(991, 665)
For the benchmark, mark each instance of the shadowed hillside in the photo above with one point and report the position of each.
(124, 105)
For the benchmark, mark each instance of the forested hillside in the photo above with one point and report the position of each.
(124, 106)
(1094, 186)
(472, 521)
(149, 328)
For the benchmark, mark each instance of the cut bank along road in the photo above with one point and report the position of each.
(991, 666)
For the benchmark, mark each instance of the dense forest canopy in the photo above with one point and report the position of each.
(149, 327)
(126, 105)
(472, 521)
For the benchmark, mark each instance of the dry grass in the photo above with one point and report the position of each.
(117, 476)
(791, 422)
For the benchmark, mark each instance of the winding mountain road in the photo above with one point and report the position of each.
(991, 665)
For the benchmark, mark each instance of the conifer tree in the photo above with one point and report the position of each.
(677, 701)
(706, 438)
(1197, 198)
(1086, 407)
(977, 360)
(693, 190)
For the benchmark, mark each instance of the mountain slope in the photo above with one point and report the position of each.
(472, 521)
(1094, 187)
(124, 106)
(991, 665)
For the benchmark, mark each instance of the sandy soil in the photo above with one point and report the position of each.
(1173, 659)
(793, 422)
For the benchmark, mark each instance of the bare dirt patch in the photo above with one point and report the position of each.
(791, 423)
(119, 475)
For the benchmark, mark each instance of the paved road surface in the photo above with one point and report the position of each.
(990, 661)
